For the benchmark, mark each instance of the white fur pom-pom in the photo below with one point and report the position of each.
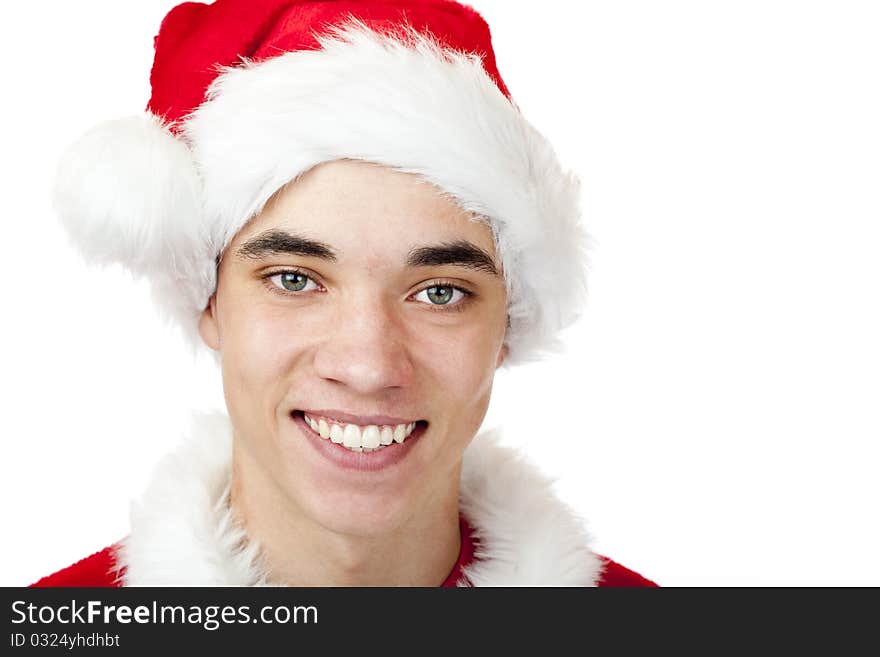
(128, 191)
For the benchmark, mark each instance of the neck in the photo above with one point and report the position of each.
(299, 551)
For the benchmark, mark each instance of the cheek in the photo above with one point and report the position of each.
(463, 363)
(471, 351)
(258, 345)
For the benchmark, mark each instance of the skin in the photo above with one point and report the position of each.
(365, 337)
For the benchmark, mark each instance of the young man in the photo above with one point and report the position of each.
(354, 216)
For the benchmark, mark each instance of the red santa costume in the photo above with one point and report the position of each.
(248, 95)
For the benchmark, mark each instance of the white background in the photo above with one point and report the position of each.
(716, 420)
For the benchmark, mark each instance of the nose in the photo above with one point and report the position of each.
(365, 347)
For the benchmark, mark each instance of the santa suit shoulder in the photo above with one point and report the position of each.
(516, 530)
(97, 570)
(101, 570)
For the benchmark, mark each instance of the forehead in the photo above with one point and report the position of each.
(367, 211)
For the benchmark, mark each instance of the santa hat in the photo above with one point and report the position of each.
(249, 94)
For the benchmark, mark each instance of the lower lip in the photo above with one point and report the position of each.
(370, 461)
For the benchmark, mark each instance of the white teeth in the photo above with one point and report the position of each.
(370, 436)
(336, 434)
(399, 433)
(351, 438)
(367, 439)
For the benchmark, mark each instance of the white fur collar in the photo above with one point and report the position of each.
(182, 531)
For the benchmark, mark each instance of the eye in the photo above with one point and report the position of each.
(291, 281)
(442, 294)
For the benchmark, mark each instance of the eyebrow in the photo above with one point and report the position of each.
(274, 241)
(460, 253)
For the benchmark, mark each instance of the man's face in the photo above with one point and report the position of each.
(325, 303)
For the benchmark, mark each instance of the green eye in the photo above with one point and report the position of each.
(293, 281)
(290, 281)
(445, 296)
(440, 294)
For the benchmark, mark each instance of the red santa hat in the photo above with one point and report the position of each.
(249, 94)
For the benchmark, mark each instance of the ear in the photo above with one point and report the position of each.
(504, 348)
(208, 327)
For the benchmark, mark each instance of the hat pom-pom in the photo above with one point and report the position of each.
(128, 192)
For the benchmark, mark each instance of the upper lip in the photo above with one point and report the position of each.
(362, 420)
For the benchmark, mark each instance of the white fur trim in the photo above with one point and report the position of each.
(182, 531)
(410, 105)
(128, 191)
(526, 535)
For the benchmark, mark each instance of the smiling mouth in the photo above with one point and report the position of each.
(359, 438)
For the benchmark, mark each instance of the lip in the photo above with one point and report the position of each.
(383, 459)
(361, 420)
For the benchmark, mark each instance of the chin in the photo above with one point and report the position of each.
(373, 515)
